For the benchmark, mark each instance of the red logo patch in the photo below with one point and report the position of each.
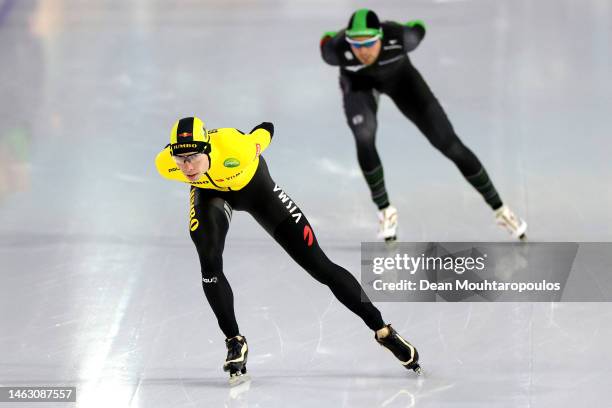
(308, 235)
(185, 134)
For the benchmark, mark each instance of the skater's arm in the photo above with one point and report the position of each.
(413, 33)
(267, 126)
(166, 166)
(259, 139)
(331, 47)
(262, 134)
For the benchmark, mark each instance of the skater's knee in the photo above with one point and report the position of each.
(364, 135)
(211, 254)
(366, 149)
(319, 275)
(326, 272)
(363, 127)
(318, 266)
(211, 260)
(450, 146)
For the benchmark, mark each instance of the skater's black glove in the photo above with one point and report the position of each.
(267, 126)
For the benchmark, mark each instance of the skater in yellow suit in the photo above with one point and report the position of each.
(226, 172)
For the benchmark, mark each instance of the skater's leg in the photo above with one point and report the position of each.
(416, 101)
(282, 218)
(360, 106)
(210, 217)
(308, 254)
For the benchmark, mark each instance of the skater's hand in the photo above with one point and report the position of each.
(414, 32)
(328, 35)
(333, 46)
(266, 126)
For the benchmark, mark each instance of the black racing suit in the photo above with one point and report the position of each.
(393, 74)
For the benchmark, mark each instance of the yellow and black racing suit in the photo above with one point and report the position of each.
(238, 179)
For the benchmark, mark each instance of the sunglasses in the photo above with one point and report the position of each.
(364, 43)
(187, 159)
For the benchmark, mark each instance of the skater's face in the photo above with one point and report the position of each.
(192, 165)
(366, 49)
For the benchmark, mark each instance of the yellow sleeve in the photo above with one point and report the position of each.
(262, 137)
(167, 167)
(246, 146)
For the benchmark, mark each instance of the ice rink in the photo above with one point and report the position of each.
(100, 284)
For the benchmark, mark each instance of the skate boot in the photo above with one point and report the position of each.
(511, 222)
(388, 223)
(237, 352)
(405, 352)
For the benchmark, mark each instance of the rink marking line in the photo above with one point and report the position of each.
(318, 349)
(280, 337)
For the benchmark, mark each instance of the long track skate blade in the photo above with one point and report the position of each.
(238, 379)
(236, 391)
(418, 370)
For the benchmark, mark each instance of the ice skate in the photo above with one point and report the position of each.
(388, 224)
(511, 222)
(405, 352)
(235, 363)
